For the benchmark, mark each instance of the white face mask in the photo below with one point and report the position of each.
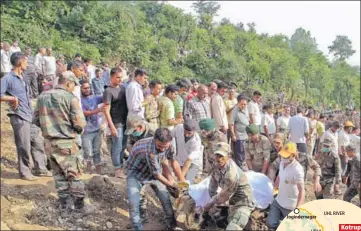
(286, 161)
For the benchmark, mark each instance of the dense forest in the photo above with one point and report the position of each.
(171, 44)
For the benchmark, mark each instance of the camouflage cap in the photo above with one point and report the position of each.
(350, 148)
(327, 142)
(222, 149)
(207, 124)
(252, 129)
(69, 75)
(132, 123)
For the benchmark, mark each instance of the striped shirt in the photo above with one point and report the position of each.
(144, 161)
(199, 110)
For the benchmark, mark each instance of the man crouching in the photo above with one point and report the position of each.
(148, 163)
(235, 189)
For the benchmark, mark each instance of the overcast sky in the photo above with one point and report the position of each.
(325, 19)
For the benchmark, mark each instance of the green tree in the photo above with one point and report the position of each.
(341, 48)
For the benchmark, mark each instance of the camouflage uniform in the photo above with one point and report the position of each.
(330, 164)
(60, 117)
(355, 176)
(236, 190)
(152, 113)
(258, 152)
(209, 144)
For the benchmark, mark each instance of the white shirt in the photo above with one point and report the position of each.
(77, 93)
(134, 96)
(191, 150)
(343, 140)
(289, 178)
(50, 65)
(5, 61)
(297, 127)
(355, 141)
(125, 75)
(218, 110)
(269, 121)
(329, 134)
(91, 72)
(14, 49)
(39, 62)
(253, 108)
(283, 121)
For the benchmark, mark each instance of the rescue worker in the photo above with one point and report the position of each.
(137, 129)
(60, 138)
(210, 137)
(189, 149)
(305, 161)
(354, 174)
(330, 164)
(258, 149)
(235, 188)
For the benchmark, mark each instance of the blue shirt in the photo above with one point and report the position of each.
(13, 85)
(106, 77)
(98, 86)
(144, 161)
(90, 103)
(297, 127)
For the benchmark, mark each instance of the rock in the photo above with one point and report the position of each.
(97, 182)
(109, 225)
(79, 220)
(60, 220)
(79, 228)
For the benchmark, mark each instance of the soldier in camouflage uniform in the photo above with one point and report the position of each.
(258, 149)
(210, 137)
(354, 174)
(235, 188)
(60, 118)
(152, 112)
(330, 164)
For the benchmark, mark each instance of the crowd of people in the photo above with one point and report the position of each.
(164, 135)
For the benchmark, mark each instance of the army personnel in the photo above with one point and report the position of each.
(354, 174)
(277, 144)
(258, 149)
(151, 107)
(235, 188)
(210, 137)
(330, 164)
(59, 115)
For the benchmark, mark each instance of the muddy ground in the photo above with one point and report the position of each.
(32, 205)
